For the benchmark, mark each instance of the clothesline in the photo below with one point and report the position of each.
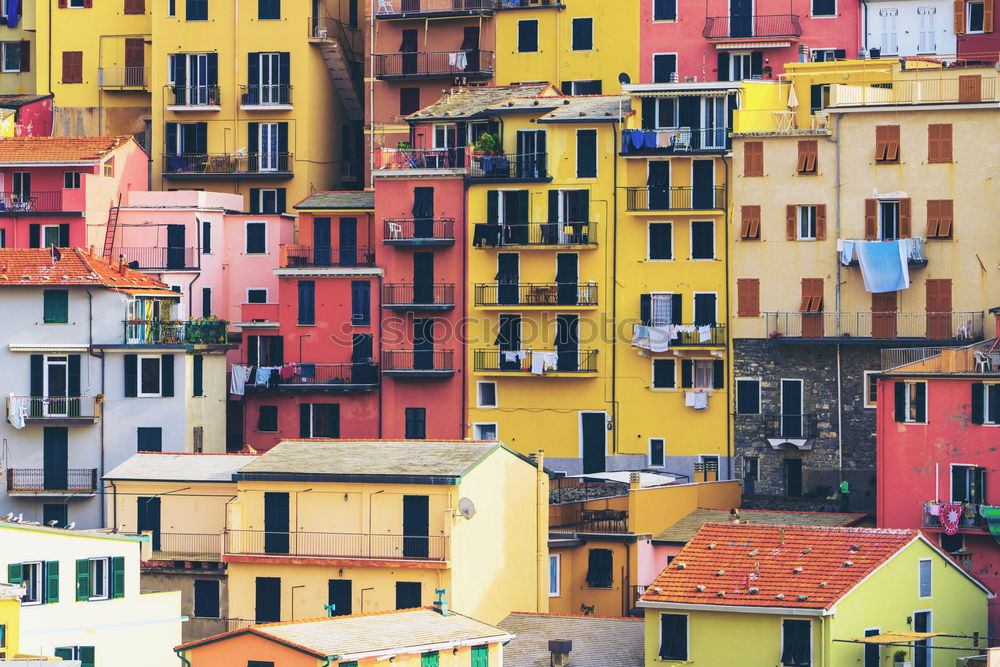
(658, 338)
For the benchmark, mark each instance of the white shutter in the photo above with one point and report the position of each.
(925, 17)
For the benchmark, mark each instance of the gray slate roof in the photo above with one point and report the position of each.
(589, 109)
(472, 101)
(597, 641)
(682, 531)
(339, 199)
(180, 467)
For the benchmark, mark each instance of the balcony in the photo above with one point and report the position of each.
(421, 158)
(756, 26)
(605, 521)
(354, 546)
(711, 198)
(504, 167)
(537, 295)
(32, 203)
(186, 546)
(475, 64)
(522, 362)
(971, 519)
(687, 335)
(227, 165)
(435, 9)
(266, 97)
(300, 257)
(176, 332)
(327, 376)
(979, 359)
(418, 363)
(930, 88)
(916, 253)
(534, 234)
(160, 259)
(675, 141)
(419, 231)
(53, 410)
(52, 482)
(418, 296)
(193, 98)
(878, 328)
(779, 427)
(123, 79)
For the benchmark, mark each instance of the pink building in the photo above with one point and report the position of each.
(32, 114)
(732, 40)
(938, 429)
(61, 190)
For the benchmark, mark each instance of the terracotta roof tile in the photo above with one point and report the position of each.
(72, 266)
(682, 531)
(21, 150)
(761, 565)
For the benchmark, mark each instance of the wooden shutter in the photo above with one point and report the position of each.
(753, 158)
(131, 362)
(118, 577)
(938, 308)
(940, 217)
(25, 51)
(167, 375)
(808, 150)
(718, 374)
(892, 141)
(82, 579)
(812, 295)
(904, 219)
(871, 219)
(748, 297)
(791, 220)
(15, 573)
(821, 222)
(987, 15)
(687, 373)
(51, 582)
(750, 223)
(939, 142)
(958, 12)
(978, 402)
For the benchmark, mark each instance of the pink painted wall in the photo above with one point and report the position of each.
(34, 119)
(982, 47)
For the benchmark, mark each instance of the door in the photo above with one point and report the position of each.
(921, 649)
(55, 458)
(568, 343)
(322, 242)
(873, 653)
(470, 44)
(508, 278)
(593, 433)
(567, 279)
(148, 518)
(514, 205)
(423, 277)
(234, 426)
(791, 409)
(362, 368)
(175, 247)
(340, 597)
(509, 342)
(56, 386)
(713, 135)
(938, 304)
(348, 241)
(703, 184)
(970, 89)
(740, 18)
(135, 62)
(423, 344)
(268, 600)
(883, 315)
(416, 527)
(267, 146)
(423, 213)
(531, 154)
(409, 50)
(793, 477)
(196, 91)
(276, 523)
(270, 78)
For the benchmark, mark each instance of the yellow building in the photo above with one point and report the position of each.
(10, 628)
(763, 595)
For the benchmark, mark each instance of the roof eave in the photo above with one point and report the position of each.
(741, 609)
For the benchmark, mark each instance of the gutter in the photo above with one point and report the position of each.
(185, 661)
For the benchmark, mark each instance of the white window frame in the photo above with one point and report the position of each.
(870, 402)
(75, 4)
(479, 395)
(715, 250)
(709, 373)
(76, 178)
(159, 371)
(659, 632)
(814, 53)
(11, 45)
(246, 236)
(906, 402)
(803, 222)
(736, 392)
(968, 17)
(477, 430)
(267, 139)
(39, 583)
(652, 13)
(649, 453)
(648, 240)
(745, 60)
(675, 119)
(449, 130)
(267, 294)
(666, 297)
(554, 586)
(652, 374)
(260, 201)
(951, 477)
(920, 578)
(813, 15)
(17, 181)
(593, 34)
(105, 580)
(677, 74)
(878, 231)
(812, 643)
(48, 229)
(986, 404)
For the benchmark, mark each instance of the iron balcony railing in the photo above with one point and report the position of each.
(756, 25)
(187, 546)
(176, 332)
(970, 517)
(494, 235)
(417, 8)
(916, 250)
(536, 294)
(517, 361)
(159, 258)
(781, 425)
(675, 140)
(876, 326)
(514, 166)
(363, 374)
(414, 295)
(711, 198)
(122, 77)
(193, 95)
(716, 335)
(980, 359)
(19, 203)
(596, 521)
(419, 230)
(265, 94)
(52, 480)
(922, 89)
(396, 361)
(336, 545)
(310, 256)
(52, 408)
(459, 63)
(420, 158)
(227, 163)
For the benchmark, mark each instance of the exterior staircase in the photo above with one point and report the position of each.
(334, 44)
(112, 227)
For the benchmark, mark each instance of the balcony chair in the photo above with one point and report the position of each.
(982, 362)
(385, 7)
(395, 231)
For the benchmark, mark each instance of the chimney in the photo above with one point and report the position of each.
(634, 480)
(803, 53)
(440, 606)
(560, 650)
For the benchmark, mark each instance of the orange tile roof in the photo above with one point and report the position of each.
(72, 266)
(766, 565)
(21, 150)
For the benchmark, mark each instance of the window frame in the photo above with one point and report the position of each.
(159, 376)
(477, 431)
(105, 579)
(517, 45)
(814, 15)
(479, 395)
(572, 33)
(714, 242)
(803, 221)
(15, 48)
(55, 291)
(663, 453)
(72, 180)
(260, 408)
(669, 298)
(257, 289)
(656, 20)
(674, 75)
(450, 131)
(42, 234)
(555, 590)
(246, 237)
(38, 581)
(597, 153)
(812, 647)
(687, 643)
(920, 579)
(968, 17)
(880, 220)
(652, 374)
(870, 401)
(908, 407)
(418, 417)
(218, 601)
(649, 242)
(736, 397)
(710, 373)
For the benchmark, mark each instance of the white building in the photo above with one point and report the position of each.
(82, 599)
(908, 27)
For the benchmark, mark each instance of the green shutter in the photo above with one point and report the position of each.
(15, 573)
(51, 581)
(64, 652)
(85, 655)
(429, 659)
(56, 306)
(349, 664)
(480, 656)
(83, 579)
(118, 577)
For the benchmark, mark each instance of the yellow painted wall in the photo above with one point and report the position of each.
(200, 509)
(32, 81)
(575, 593)
(10, 620)
(209, 409)
(655, 509)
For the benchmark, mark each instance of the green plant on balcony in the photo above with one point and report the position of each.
(487, 144)
(204, 330)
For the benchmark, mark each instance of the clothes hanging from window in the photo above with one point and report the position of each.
(950, 516)
(550, 361)
(238, 379)
(700, 400)
(704, 333)
(992, 517)
(18, 410)
(537, 363)
(287, 372)
(884, 266)
(846, 250)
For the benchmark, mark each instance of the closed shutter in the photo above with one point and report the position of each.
(37, 375)
(904, 219)
(871, 219)
(275, 350)
(51, 582)
(118, 577)
(821, 222)
(73, 375)
(586, 154)
(958, 11)
(978, 402)
(718, 374)
(687, 373)
(131, 363)
(750, 223)
(583, 34)
(64, 235)
(645, 309)
(677, 308)
(753, 158)
(305, 420)
(527, 36)
(307, 305)
(72, 67)
(197, 372)
(34, 236)
(939, 147)
(748, 297)
(921, 402)
(82, 579)
(492, 206)
(791, 221)
(722, 63)
(86, 653)
(899, 396)
(660, 240)
(167, 375)
(648, 113)
(25, 52)
(664, 373)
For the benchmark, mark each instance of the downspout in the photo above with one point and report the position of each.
(114, 500)
(541, 533)
(371, 97)
(729, 331)
(90, 350)
(840, 404)
(185, 661)
(381, 358)
(614, 297)
(463, 416)
(191, 295)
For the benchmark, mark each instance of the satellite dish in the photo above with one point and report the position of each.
(624, 78)
(466, 508)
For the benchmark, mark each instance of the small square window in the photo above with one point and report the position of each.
(109, 167)
(256, 296)
(486, 393)
(149, 376)
(71, 180)
(11, 56)
(484, 431)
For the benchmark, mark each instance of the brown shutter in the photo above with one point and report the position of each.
(750, 222)
(821, 222)
(959, 14)
(946, 216)
(791, 219)
(753, 158)
(933, 218)
(944, 142)
(871, 219)
(880, 143)
(748, 297)
(25, 56)
(800, 166)
(892, 139)
(87, 4)
(67, 67)
(63, 4)
(932, 143)
(987, 15)
(812, 295)
(904, 219)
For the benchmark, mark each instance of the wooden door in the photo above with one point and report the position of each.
(938, 308)
(970, 89)
(135, 60)
(884, 315)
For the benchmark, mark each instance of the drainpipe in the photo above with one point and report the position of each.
(463, 425)
(371, 96)
(729, 333)
(114, 500)
(90, 350)
(541, 532)
(191, 295)
(840, 405)
(614, 296)
(185, 661)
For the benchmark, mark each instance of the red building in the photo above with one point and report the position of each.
(976, 30)
(938, 431)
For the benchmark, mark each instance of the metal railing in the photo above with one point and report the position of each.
(227, 163)
(330, 28)
(302, 256)
(756, 25)
(264, 94)
(418, 229)
(471, 62)
(970, 516)
(876, 326)
(43, 408)
(597, 521)
(929, 358)
(41, 480)
(635, 593)
(336, 545)
(176, 332)
(575, 489)
(328, 374)
(187, 546)
(509, 165)
(916, 248)
(420, 158)
(934, 89)
(781, 425)
(536, 294)
(122, 77)
(198, 95)
(494, 235)
(412, 8)
(238, 623)
(674, 140)
(685, 198)
(159, 257)
(716, 335)
(17, 203)
(418, 294)
(417, 360)
(564, 361)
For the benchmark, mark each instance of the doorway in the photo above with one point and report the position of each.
(276, 523)
(593, 436)
(791, 409)
(416, 527)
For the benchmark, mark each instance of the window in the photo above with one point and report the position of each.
(975, 12)
(319, 420)
(408, 594)
(664, 10)
(704, 373)
(206, 598)
(586, 153)
(656, 454)
(71, 180)
(673, 637)
(968, 484)
(583, 34)
(265, 351)
(171, 8)
(416, 423)
(72, 66)
(267, 419)
(807, 223)
(409, 101)
(660, 114)
(149, 376)
(665, 69)
(887, 144)
(871, 389)
(206, 301)
(31, 574)
(55, 306)
(55, 514)
(924, 571)
(486, 394)
(952, 543)
(582, 87)
(925, 25)
(268, 200)
(109, 167)
(256, 236)
(52, 235)
(827, 55)
(660, 309)
(748, 297)
(939, 142)
(198, 375)
(812, 295)
(554, 575)
(149, 439)
(444, 136)
(484, 431)
(660, 241)
(748, 396)
(85, 654)
(206, 237)
(739, 66)
(911, 402)
(100, 588)
(257, 295)
(702, 239)
(753, 158)
(808, 152)
(796, 643)
(268, 9)
(751, 469)
(750, 223)
(887, 220)
(940, 218)
(307, 302)
(527, 36)
(664, 374)
(360, 302)
(888, 19)
(78, 4)
(985, 403)
(600, 572)
(12, 56)
(196, 10)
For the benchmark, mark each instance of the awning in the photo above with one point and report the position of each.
(48, 347)
(646, 479)
(693, 92)
(759, 44)
(802, 443)
(897, 637)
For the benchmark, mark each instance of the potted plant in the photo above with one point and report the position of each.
(487, 144)
(899, 659)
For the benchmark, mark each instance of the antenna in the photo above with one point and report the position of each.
(466, 508)
(624, 78)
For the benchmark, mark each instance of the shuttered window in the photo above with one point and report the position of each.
(409, 101)
(910, 402)
(527, 36)
(750, 223)
(416, 423)
(753, 158)
(748, 297)
(586, 154)
(939, 142)
(661, 245)
(72, 66)
(196, 10)
(269, 9)
(664, 374)
(583, 34)
(135, 6)
(808, 153)
(673, 637)
(664, 10)
(360, 302)
(267, 418)
(812, 295)
(206, 598)
(940, 218)
(307, 302)
(55, 306)
(600, 572)
(887, 143)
